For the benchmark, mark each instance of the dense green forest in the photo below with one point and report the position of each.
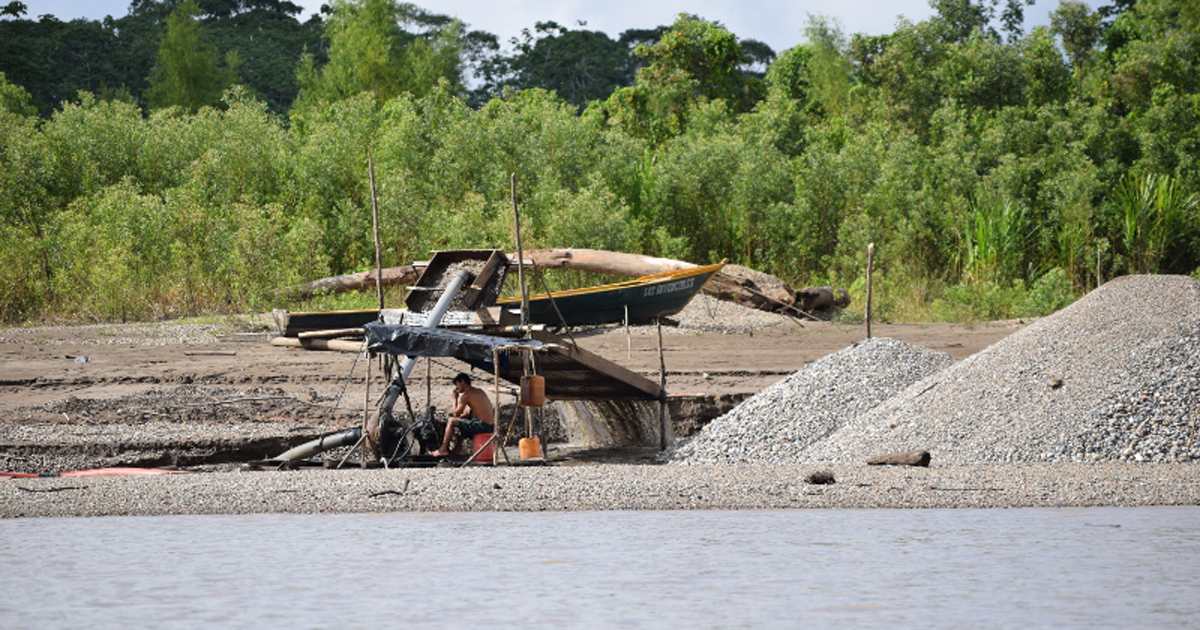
(196, 156)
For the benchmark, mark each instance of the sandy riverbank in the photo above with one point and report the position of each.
(207, 397)
(213, 395)
(605, 487)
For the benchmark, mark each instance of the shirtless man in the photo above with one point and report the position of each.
(471, 412)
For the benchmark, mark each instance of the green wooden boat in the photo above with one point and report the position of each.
(641, 300)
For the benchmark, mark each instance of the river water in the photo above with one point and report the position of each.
(1017, 568)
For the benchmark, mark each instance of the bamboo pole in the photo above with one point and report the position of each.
(870, 263)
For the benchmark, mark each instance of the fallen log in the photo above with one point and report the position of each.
(735, 283)
(750, 288)
(361, 281)
(815, 298)
(599, 261)
(910, 458)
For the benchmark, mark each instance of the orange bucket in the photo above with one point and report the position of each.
(531, 448)
(478, 442)
(533, 391)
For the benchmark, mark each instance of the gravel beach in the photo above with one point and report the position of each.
(606, 487)
(1097, 405)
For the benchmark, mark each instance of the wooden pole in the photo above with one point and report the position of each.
(375, 225)
(628, 337)
(496, 410)
(366, 412)
(664, 429)
(870, 263)
(512, 187)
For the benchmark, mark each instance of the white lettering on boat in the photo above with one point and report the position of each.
(670, 287)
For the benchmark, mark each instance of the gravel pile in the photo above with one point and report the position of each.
(705, 314)
(1158, 418)
(778, 423)
(1115, 376)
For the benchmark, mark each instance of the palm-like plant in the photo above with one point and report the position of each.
(997, 242)
(1155, 213)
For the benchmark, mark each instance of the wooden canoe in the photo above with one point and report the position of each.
(641, 300)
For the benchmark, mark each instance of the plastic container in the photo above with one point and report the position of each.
(531, 448)
(533, 391)
(480, 445)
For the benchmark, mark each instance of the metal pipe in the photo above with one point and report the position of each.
(435, 316)
(322, 444)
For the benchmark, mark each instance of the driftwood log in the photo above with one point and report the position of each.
(361, 281)
(815, 298)
(910, 458)
(735, 283)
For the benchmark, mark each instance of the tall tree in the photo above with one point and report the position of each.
(14, 99)
(188, 73)
(53, 59)
(956, 20)
(580, 65)
(385, 48)
(695, 61)
(829, 70)
(269, 41)
(1079, 28)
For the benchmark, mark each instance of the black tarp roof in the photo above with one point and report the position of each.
(413, 341)
(571, 373)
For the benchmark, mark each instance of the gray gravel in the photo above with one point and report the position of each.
(705, 314)
(1115, 376)
(606, 487)
(778, 423)
(146, 333)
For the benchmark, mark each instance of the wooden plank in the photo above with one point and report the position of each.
(602, 365)
(576, 374)
(339, 345)
(338, 332)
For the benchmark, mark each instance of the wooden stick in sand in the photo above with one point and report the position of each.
(870, 262)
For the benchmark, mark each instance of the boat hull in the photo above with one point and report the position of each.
(292, 324)
(641, 300)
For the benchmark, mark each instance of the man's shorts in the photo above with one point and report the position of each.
(470, 425)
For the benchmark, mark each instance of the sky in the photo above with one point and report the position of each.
(778, 23)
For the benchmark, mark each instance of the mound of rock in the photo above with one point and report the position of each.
(1114, 376)
(777, 424)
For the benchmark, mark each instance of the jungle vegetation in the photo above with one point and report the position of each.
(195, 156)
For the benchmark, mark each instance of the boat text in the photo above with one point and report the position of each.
(670, 287)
